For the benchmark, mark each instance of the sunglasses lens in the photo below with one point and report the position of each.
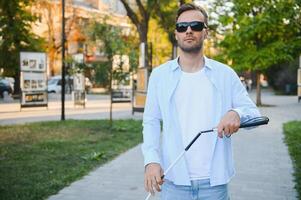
(195, 26)
(182, 27)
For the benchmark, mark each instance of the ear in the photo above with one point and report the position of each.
(176, 35)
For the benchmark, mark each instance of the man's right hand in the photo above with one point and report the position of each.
(152, 177)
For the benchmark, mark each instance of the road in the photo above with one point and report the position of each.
(97, 107)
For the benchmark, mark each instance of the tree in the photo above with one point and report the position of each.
(158, 38)
(51, 13)
(260, 35)
(16, 36)
(282, 77)
(111, 42)
(140, 13)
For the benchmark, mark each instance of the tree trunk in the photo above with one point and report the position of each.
(150, 55)
(143, 39)
(111, 96)
(258, 89)
(17, 89)
(174, 52)
(182, 2)
(17, 84)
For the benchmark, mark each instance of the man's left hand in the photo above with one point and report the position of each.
(229, 124)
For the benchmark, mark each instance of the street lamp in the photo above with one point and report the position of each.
(63, 61)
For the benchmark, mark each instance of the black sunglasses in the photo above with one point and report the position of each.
(182, 27)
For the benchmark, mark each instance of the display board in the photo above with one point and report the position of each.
(79, 93)
(33, 79)
(139, 95)
(142, 80)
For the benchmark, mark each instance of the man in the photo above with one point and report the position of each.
(190, 94)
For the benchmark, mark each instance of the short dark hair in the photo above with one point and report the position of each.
(189, 6)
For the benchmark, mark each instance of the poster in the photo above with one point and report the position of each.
(140, 93)
(79, 98)
(79, 82)
(34, 98)
(142, 79)
(33, 79)
(140, 99)
(79, 94)
(33, 61)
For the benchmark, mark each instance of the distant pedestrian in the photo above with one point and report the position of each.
(249, 84)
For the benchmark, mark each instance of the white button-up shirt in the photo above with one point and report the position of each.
(228, 94)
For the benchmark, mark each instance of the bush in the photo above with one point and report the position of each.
(283, 77)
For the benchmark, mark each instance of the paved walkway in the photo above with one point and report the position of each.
(264, 169)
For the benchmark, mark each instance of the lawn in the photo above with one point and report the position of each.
(39, 159)
(292, 131)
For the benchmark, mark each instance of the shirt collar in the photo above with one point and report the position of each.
(175, 64)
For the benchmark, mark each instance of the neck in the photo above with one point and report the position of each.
(191, 62)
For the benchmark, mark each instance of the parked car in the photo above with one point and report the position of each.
(55, 84)
(11, 81)
(5, 87)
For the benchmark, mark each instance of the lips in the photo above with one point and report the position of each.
(189, 39)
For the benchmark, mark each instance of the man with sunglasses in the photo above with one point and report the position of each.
(190, 94)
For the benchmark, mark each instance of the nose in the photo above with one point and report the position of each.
(189, 30)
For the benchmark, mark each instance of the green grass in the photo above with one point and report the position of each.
(39, 159)
(292, 131)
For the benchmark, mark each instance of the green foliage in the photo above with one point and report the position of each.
(15, 34)
(102, 73)
(292, 132)
(122, 78)
(109, 37)
(139, 12)
(165, 15)
(282, 77)
(161, 45)
(111, 41)
(39, 159)
(133, 53)
(75, 67)
(260, 35)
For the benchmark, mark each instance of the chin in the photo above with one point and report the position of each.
(191, 49)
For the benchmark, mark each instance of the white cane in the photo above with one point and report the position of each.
(249, 123)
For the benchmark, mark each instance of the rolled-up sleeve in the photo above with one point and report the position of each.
(151, 123)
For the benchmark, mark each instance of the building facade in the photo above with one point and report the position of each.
(78, 14)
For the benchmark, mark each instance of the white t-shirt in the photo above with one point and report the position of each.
(193, 98)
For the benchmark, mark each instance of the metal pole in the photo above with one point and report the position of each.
(299, 81)
(63, 61)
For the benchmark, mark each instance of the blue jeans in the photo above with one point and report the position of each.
(199, 190)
